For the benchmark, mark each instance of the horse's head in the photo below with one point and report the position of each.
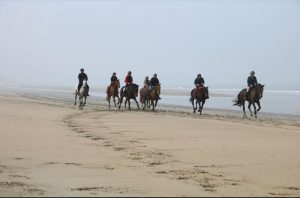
(260, 89)
(117, 84)
(205, 92)
(157, 89)
(135, 89)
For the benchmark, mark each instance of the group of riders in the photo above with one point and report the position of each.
(150, 84)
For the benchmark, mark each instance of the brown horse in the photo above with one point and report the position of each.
(154, 95)
(254, 95)
(200, 98)
(113, 91)
(144, 97)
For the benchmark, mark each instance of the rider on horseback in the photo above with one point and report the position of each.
(199, 82)
(128, 81)
(81, 77)
(147, 83)
(154, 81)
(252, 82)
(113, 79)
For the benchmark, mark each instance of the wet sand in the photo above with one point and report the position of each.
(50, 148)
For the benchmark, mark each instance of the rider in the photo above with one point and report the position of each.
(113, 79)
(199, 82)
(154, 81)
(252, 81)
(128, 80)
(147, 82)
(81, 77)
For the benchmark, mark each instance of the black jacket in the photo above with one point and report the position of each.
(154, 81)
(113, 79)
(252, 81)
(82, 77)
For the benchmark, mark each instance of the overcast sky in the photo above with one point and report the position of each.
(47, 42)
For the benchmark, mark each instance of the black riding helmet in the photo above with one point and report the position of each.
(82, 70)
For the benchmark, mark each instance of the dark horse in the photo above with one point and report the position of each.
(144, 97)
(200, 98)
(131, 92)
(254, 95)
(113, 92)
(154, 95)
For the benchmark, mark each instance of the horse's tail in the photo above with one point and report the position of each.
(238, 100)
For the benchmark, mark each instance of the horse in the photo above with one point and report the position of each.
(254, 95)
(200, 98)
(131, 92)
(113, 92)
(154, 95)
(144, 97)
(83, 92)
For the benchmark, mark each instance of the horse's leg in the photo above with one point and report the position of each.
(120, 102)
(108, 100)
(136, 103)
(143, 103)
(148, 103)
(243, 103)
(193, 103)
(196, 107)
(80, 103)
(84, 101)
(75, 98)
(153, 104)
(114, 99)
(259, 107)
(254, 110)
(249, 107)
(198, 103)
(202, 107)
(128, 104)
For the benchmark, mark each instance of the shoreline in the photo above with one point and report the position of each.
(100, 100)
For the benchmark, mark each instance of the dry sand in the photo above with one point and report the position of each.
(50, 148)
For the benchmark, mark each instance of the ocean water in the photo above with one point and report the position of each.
(273, 101)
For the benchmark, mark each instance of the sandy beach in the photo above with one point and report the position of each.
(50, 148)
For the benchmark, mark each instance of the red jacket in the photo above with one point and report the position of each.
(128, 79)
